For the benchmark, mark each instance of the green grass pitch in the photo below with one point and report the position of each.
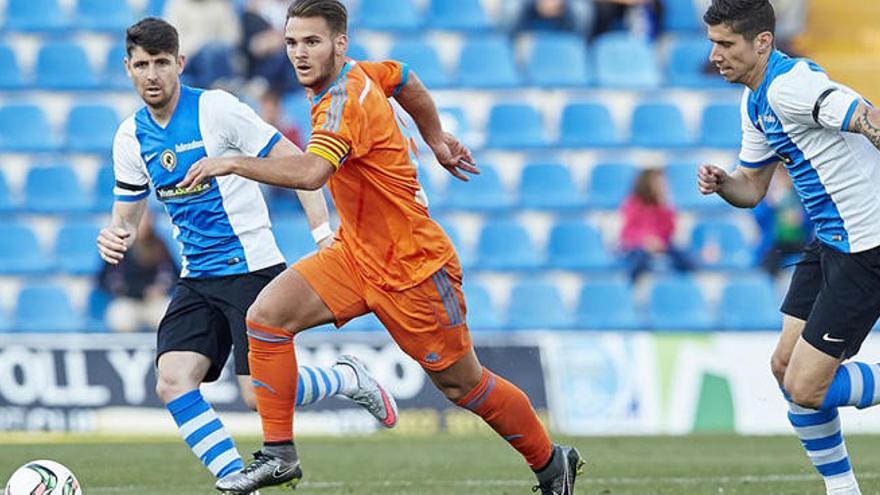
(443, 464)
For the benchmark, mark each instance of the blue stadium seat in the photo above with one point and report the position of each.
(487, 62)
(481, 313)
(626, 61)
(366, 323)
(114, 76)
(535, 306)
(506, 245)
(720, 126)
(749, 303)
(24, 128)
(549, 186)
(687, 62)
(587, 125)
(719, 244)
(90, 128)
(155, 8)
(294, 238)
(676, 303)
(423, 60)
(682, 179)
(34, 15)
(96, 310)
(103, 15)
(558, 60)
(515, 125)
(607, 305)
(10, 71)
(45, 308)
(7, 201)
(64, 66)
(658, 125)
(20, 254)
(298, 112)
(102, 194)
(575, 245)
(75, 251)
(457, 15)
(483, 192)
(356, 51)
(389, 15)
(54, 189)
(681, 16)
(454, 121)
(610, 184)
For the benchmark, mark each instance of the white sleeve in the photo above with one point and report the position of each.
(237, 125)
(132, 181)
(810, 98)
(754, 152)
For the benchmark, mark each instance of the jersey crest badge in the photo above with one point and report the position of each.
(168, 160)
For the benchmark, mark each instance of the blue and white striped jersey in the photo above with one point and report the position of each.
(222, 226)
(798, 116)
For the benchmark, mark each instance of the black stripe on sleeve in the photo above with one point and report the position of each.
(819, 101)
(131, 187)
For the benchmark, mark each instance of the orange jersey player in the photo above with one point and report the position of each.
(388, 256)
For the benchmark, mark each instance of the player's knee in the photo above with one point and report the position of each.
(269, 315)
(170, 386)
(803, 394)
(778, 365)
(454, 392)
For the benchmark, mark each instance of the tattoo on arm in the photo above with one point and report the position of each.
(869, 129)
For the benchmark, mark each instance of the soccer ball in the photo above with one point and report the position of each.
(42, 478)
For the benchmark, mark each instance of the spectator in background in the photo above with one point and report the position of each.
(139, 284)
(648, 225)
(642, 17)
(209, 32)
(271, 111)
(263, 44)
(547, 15)
(784, 225)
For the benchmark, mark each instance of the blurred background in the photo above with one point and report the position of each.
(597, 278)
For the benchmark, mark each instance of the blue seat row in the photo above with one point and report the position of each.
(63, 66)
(56, 190)
(748, 302)
(89, 129)
(48, 16)
(73, 253)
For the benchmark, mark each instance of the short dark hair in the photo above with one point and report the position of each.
(154, 35)
(746, 17)
(333, 11)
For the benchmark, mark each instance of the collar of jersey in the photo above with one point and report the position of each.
(348, 65)
(770, 73)
(184, 92)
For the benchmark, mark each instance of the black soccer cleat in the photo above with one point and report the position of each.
(570, 465)
(263, 471)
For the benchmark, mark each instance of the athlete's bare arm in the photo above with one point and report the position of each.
(115, 239)
(866, 121)
(451, 154)
(744, 188)
(304, 171)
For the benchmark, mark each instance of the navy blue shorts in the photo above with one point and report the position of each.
(838, 295)
(207, 316)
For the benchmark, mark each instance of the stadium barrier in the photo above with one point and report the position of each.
(583, 383)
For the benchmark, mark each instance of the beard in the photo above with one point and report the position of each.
(324, 78)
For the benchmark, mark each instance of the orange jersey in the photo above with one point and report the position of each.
(384, 225)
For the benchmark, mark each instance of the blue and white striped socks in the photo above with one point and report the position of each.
(204, 433)
(820, 435)
(855, 384)
(316, 384)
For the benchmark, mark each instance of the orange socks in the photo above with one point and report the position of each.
(508, 411)
(274, 374)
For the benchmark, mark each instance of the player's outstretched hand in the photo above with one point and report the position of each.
(112, 244)
(710, 178)
(204, 169)
(455, 157)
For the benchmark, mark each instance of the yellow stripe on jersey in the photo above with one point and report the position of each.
(328, 147)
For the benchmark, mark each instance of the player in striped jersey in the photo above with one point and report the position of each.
(229, 252)
(828, 138)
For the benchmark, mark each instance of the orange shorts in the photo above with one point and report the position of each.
(427, 320)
